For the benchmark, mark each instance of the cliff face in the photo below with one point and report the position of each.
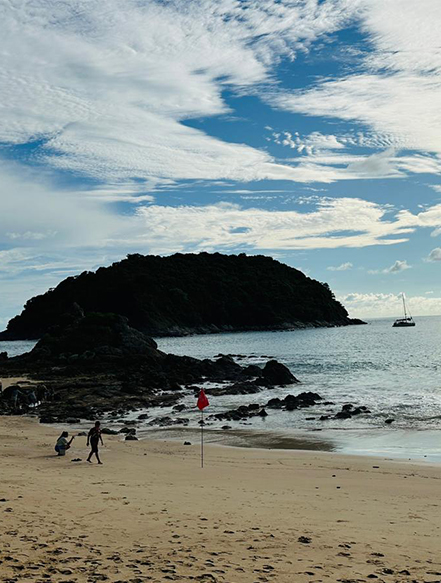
(187, 294)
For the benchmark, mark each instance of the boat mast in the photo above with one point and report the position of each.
(404, 305)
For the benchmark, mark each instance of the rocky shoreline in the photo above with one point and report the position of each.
(97, 366)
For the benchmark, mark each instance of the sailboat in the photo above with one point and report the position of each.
(407, 320)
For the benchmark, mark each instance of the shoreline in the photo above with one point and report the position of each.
(150, 513)
(295, 441)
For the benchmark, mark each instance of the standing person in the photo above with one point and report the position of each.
(62, 443)
(94, 437)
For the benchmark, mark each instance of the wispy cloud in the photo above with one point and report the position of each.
(123, 78)
(329, 225)
(397, 93)
(342, 267)
(435, 254)
(397, 267)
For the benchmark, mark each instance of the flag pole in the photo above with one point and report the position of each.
(202, 438)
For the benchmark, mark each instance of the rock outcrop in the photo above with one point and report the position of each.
(97, 363)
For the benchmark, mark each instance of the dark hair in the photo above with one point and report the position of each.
(97, 423)
(65, 434)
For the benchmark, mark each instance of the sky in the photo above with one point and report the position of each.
(306, 130)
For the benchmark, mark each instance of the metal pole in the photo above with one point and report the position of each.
(202, 438)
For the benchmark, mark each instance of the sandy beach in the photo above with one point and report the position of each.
(150, 513)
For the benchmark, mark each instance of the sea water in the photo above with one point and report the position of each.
(395, 372)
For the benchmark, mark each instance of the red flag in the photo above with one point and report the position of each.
(202, 400)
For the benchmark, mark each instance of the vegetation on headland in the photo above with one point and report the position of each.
(188, 293)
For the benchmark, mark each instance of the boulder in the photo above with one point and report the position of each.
(278, 374)
(130, 437)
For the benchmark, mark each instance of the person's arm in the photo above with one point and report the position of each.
(71, 439)
(88, 439)
(101, 438)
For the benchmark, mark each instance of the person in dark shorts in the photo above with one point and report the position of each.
(94, 437)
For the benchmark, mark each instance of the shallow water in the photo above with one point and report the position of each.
(395, 372)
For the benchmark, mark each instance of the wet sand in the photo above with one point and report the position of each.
(150, 513)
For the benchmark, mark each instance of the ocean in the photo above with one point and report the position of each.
(395, 372)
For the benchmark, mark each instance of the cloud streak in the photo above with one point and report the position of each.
(107, 90)
(397, 91)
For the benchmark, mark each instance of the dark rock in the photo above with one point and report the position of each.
(275, 403)
(225, 427)
(290, 402)
(187, 442)
(241, 413)
(131, 437)
(278, 374)
(168, 421)
(3, 356)
(239, 388)
(342, 415)
(143, 416)
(47, 419)
(304, 540)
(325, 417)
(127, 430)
(389, 421)
(178, 408)
(108, 431)
(252, 370)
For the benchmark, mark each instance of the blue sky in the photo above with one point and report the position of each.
(302, 129)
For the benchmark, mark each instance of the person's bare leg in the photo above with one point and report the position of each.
(98, 458)
(90, 455)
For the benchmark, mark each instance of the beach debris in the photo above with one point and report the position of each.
(187, 442)
(306, 540)
(77, 459)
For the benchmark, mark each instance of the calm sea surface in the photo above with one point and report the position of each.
(395, 372)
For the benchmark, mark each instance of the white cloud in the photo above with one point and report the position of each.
(397, 267)
(398, 92)
(342, 267)
(435, 254)
(108, 87)
(380, 305)
(228, 226)
(314, 142)
(34, 214)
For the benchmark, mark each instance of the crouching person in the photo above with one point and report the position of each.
(63, 444)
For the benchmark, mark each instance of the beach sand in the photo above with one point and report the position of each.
(150, 513)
